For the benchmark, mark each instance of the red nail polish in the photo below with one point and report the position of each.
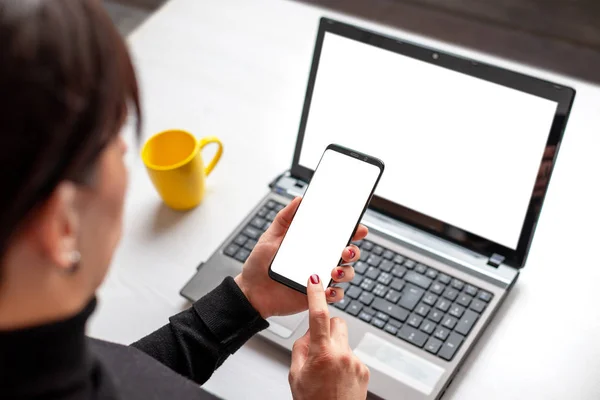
(314, 279)
(340, 273)
(332, 293)
(352, 253)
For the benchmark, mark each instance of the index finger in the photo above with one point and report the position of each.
(318, 312)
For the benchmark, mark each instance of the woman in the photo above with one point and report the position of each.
(66, 81)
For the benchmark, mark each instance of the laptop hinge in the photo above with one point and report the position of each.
(495, 260)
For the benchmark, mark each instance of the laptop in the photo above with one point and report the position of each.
(469, 149)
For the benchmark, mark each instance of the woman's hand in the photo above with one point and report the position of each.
(271, 298)
(323, 365)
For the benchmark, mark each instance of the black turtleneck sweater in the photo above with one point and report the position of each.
(57, 361)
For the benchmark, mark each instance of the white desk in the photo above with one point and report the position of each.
(238, 69)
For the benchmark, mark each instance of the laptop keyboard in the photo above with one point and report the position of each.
(410, 300)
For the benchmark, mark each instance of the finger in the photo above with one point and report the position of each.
(334, 294)
(339, 333)
(350, 254)
(282, 221)
(343, 273)
(318, 313)
(361, 233)
(300, 352)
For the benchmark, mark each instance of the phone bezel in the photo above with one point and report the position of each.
(350, 153)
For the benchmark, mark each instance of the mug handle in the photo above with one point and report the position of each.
(207, 140)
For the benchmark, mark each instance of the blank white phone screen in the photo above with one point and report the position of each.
(332, 204)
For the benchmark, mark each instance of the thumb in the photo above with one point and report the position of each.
(300, 352)
(282, 221)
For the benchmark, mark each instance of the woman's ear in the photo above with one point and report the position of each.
(56, 227)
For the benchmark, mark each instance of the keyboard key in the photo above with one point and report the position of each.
(343, 303)
(451, 294)
(412, 335)
(449, 322)
(456, 311)
(271, 204)
(271, 216)
(433, 345)
(382, 316)
(485, 296)
(466, 322)
(431, 273)
(374, 260)
(378, 323)
(365, 317)
(384, 278)
(410, 264)
(399, 271)
(242, 255)
(358, 278)
(391, 329)
(366, 245)
(367, 284)
(251, 232)
(415, 320)
(417, 279)
(390, 309)
(258, 222)
(421, 269)
(398, 259)
(443, 305)
(410, 298)
(364, 255)
(386, 265)
(478, 306)
(464, 300)
(240, 240)
(372, 273)
(422, 310)
(388, 255)
(366, 298)
(441, 333)
(471, 290)
(343, 285)
(360, 267)
(231, 250)
(267, 225)
(430, 299)
(380, 290)
(437, 288)
(444, 279)
(428, 327)
(369, 311)
(278, 207)
(392, 296)
(451, 346)
(354, 292)
(457, 284)
(395, 323)
(435, 315)
(357, 243)
(354, 308)
(263, 212)
(378, 250)
(397, 284)
(250, 243)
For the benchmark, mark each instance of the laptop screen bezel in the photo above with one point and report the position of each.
(562, 95)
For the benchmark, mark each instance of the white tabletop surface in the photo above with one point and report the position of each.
(238, 69)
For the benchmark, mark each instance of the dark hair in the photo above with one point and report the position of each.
(66, 81)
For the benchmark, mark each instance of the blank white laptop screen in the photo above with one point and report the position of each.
(457, 148)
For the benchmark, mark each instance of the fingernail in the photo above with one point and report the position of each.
(352, 253)
(340, 273)
(332, 293)
(314, 279)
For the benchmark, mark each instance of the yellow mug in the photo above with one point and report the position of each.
(175, 166)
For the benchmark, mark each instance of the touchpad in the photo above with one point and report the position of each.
(285, 326)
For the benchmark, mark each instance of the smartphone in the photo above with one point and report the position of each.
(334, 202)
